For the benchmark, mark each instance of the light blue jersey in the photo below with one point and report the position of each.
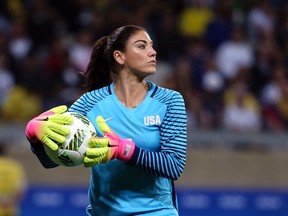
(144, 185)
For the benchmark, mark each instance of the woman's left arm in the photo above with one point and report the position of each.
(170, 161)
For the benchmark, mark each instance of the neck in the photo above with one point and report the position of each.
(130, 93)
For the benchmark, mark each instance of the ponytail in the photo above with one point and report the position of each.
(98, 70)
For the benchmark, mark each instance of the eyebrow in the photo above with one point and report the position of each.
(144, 41)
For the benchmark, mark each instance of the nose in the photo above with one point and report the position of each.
(152, 52)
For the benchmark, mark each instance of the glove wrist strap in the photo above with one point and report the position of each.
(126, 151)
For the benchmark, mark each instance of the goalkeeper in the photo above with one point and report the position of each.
(141, 147)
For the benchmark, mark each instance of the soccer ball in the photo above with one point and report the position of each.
(72, 152)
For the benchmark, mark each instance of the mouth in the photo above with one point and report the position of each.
(153, 62)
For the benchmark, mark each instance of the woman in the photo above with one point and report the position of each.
(134, 174)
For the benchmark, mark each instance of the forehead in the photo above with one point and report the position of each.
(139, 36)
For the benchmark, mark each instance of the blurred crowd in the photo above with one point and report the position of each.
(227, 57)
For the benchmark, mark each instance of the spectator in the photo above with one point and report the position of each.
(267, 54)
(241, 110)
(80, 49)
(213, 85)
(7, 80)
(20, 43)
(13, 184)
(282, 105)
(219, 28)
(168, 40)
(197, 53)
(40, 24)
(234, 54)
(194, 19)
(261, 18)
(271, 95)
(20, 105)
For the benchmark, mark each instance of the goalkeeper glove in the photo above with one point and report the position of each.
(48, 128)
(109, 147)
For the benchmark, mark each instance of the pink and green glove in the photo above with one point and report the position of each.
(109, 147)
(48, 128)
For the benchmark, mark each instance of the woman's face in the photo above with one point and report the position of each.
(139, 56)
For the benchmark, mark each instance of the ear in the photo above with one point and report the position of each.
(119, 57)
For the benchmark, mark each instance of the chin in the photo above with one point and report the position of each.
(150, 73)
(146, 74)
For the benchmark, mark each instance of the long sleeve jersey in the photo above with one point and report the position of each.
(144, 185)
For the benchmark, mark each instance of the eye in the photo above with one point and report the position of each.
(141, 46)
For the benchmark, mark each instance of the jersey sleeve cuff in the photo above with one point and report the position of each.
(135, 155)
(38, 150)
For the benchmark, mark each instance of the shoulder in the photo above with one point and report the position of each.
(97, 94)
(165, 95)
(88, 100)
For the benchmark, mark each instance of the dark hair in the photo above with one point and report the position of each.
(102, 68)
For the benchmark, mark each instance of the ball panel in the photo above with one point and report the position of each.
(72, 152)
(66, 158)
(77, 140)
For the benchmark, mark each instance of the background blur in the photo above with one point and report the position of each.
(228, 58)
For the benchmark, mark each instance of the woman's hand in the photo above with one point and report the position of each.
(49, 127)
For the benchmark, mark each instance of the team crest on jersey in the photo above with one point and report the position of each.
(152, 120)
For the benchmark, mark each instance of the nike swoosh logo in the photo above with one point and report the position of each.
(107, 119)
